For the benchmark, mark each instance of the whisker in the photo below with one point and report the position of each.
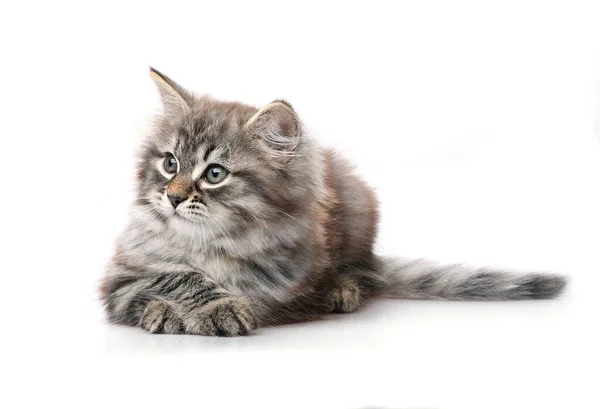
(299, 221)
(225, 233)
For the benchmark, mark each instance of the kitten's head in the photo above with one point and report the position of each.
(223, 165)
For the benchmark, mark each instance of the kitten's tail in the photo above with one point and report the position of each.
(425, 280)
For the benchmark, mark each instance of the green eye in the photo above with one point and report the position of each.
(215, 174)
(170, 163)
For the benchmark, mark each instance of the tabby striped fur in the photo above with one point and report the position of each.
(287, 236)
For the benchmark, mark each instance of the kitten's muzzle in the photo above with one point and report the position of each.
(179, 189)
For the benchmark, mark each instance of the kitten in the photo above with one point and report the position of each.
(242, 221)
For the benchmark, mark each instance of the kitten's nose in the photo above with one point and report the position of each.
(175, 200)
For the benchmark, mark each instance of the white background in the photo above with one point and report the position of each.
(477, 123)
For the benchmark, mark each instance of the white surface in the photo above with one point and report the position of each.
(475, 122)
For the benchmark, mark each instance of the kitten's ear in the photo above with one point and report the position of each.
(277, 125)
(174, 97)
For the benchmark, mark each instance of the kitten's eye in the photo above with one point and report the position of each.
(170, 163)
(215, 174)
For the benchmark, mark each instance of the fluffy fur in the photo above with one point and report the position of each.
(286, 236)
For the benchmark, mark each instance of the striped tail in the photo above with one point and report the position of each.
(425, 280)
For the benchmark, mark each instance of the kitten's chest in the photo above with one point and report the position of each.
(242, 278)
(254, 275)
(220, 268)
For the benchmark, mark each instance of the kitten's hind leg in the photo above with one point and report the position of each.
(160, 317)
(346, 296)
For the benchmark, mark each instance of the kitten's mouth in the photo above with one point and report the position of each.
(180, 217)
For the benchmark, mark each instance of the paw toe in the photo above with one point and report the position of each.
(346, 298)
(225, 317)
(153, 316)
(158, 317)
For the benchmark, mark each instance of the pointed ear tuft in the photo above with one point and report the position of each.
(175, 98)
(283, 101)
(277, 125)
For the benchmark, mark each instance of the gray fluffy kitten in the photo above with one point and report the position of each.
(242, 221)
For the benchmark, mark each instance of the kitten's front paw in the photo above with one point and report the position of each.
(226, 317)
(159, 317)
